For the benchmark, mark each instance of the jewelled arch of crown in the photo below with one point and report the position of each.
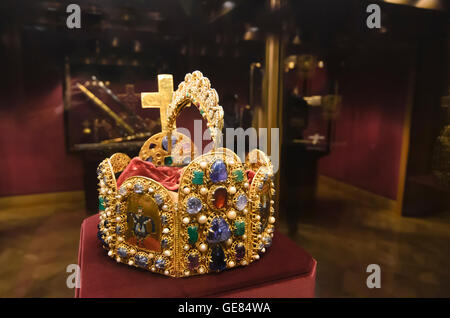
(216, 220)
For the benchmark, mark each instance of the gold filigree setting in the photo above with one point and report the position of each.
(216, 220)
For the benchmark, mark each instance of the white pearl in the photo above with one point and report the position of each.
(232, 190)
(203, 164)
(256, 256)
(110, 253)
(151, 190)
(202, 247)
(108, 213)
(186, 220)
(186, 247)
(244, 236)
(151, 255)
(244, 262)
(231, 214)
(109, 191)
(118, 259)
(231, 263)
(202, 219)
(120, 238)
(153, 268)
(167, 252)
(186, 273)
(186, 190)
(229, 241)
(132, 251)
(245, 211)
(272, 220)
(130, 262)
(201, 270)
(109, 238)
(231, 162)
(203, 191)
(166, 272)
(258, 217)
(165, 207)
(272, 201)
(165, 230)
(246, 185)
(118, 219)
(263, 250)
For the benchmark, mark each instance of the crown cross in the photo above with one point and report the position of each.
(160, 99)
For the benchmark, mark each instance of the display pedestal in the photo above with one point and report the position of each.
(285, 270)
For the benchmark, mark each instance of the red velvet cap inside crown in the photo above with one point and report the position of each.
(169, 177)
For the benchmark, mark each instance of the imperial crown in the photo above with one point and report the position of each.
(176, 214)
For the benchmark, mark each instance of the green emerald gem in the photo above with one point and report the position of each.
(201, 112)
(101, 204)
(193, 234)
(240, 228)
(238, 175)
(168, 161)
(198, 177)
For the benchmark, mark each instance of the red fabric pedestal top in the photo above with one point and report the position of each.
(285, 270)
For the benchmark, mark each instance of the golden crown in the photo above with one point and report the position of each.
(221, 215)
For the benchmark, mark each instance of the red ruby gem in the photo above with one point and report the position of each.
(220, 198)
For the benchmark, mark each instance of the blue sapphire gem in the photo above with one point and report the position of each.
(164, 219)
(150, 159)
(118, 229)
(122, 252)
(165, 143)
(217, 259)
(193, 261)
(267, 241)
(159, 199)
(141, 260)
(138, 188)
(241, 202)
(100, 236)
(194, 205)
(164, 243)
(117, 208)
(219, 231)
(160, 263)
(218, 171)
(240, 251)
